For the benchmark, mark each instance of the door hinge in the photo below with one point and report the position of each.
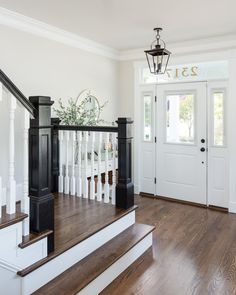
(155, 139)
(155, 180)
(155, 98)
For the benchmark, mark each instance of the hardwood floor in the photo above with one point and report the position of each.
(194, 252)
(91, 267)
(75, 220)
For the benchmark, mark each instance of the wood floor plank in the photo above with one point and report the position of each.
(76, 219)
(81, 274)
(194, 252)
(9, 219)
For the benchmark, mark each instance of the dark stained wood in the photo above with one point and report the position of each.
(33, 238)
(75, 220)
(9, 219)
(40, 143)
(82, 273)
(179, 201)
(124, 186)
(194, 252)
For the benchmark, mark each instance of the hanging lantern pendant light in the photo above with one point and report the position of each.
(158, 56)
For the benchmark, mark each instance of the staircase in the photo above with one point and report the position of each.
(82, 236)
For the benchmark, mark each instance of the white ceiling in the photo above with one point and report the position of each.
(128, 24)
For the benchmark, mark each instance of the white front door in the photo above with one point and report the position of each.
(181, 143)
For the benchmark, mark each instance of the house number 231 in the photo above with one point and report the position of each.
(183, 72)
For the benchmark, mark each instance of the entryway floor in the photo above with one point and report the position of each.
(194, 252)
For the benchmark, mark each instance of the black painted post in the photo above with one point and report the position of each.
(55, 155)
(124, 187)
(41, 199)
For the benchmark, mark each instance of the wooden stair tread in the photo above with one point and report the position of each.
(85, 271)
(76, 219)
(33, 238)
(9, 219)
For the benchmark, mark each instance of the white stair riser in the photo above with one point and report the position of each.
(9, 250)
(55, 267)
(10, 284)
(110, 274)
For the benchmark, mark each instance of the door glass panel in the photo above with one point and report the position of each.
(180, 118)
(147, 117)
(218, 121)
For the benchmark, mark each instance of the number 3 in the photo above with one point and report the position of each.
(185, 72)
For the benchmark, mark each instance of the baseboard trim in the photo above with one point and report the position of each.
(232, 207)
(210, 207)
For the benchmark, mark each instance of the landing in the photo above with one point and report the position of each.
(76, 219)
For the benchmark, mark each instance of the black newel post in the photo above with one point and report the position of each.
(41, 199)
(124, 187)
(55, 155)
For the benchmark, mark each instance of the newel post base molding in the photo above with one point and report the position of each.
(40, 143)
(124, 187)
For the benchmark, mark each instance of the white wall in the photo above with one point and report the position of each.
(39, 66)
(42, 67)
(126, 89)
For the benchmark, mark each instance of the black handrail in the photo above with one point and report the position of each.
(86, 128)
(16, 92)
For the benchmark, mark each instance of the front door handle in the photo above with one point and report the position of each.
(202, 149)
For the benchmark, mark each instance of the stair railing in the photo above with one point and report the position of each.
(13, 103)
(93, 162)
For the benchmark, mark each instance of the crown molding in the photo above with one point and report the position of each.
(193, 47)
(27, 24)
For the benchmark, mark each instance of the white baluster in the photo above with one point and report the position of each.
(61, 152)
(92, 182)
(99, 181)
(113, 196)
(67, 179)
(79, 180)
(73, 135)
(11, 199)
(106, 186)
(85, 165)
(25, 201)
(1, 91)
(1, 197)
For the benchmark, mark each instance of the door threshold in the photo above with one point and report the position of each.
(211, 207)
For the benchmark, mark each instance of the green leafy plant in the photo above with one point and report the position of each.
(81, 115)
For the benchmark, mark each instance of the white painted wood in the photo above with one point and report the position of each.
(1, 197)
(99, 181)
(42, 29)
(10, 238)
(25, 200)
(72, 180)
(92, 182)
(10, 283)
(1, 91)
(218, 156)
(114, 145)
(147, 155)
(106, 185)
(85, 163)
(55, 267)
(61, 152)
(103, 280)
(79, 179)
(67, 179)
(181, 168)
(11, 198)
